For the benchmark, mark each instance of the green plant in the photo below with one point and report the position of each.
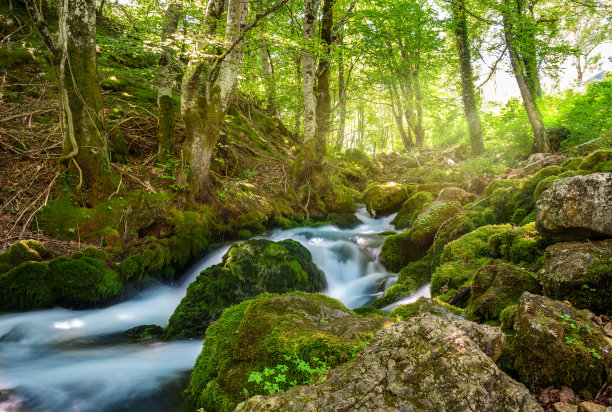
(358, 348)
(175, 171)
(295, 371)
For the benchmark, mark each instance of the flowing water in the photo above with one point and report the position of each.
(60, 360)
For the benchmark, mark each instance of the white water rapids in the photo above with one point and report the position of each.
(57, 360)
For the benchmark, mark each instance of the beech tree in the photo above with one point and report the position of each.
(86, 155)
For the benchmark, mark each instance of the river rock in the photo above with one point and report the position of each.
(385, 199)
(576, 208)
(580, 272)
(591, 407)
(263, 333)
(557, 346)
(248, 269)
(498, 285)
(426, 363)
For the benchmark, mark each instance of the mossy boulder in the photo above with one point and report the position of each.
(262, 333)
(411, 208)
(73, 283)
(116, 83)
(498, 285)
(428, 363)
(426, 305)
(385, 199)
(591, 162)
(455, 194)
(557, 346)
(449, 277)
(473, 245)
(532, 183)
(580, 272)
(24, 251)
(343, 220)
(523, 246)
(502, 183)
(399, 250)
(396, 292)
(547, 183)
(573, 164)
(248, 269)
(358, 157)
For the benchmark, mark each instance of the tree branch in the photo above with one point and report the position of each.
(43, 29)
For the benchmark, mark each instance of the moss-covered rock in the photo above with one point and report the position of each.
(343, 220)
(472, 246)
(385, 199)
(455, 194)
(262, 333)
(547, 183)
(507, 317)
(498, 285)
(580, 272)
(399, 250)
(502, 183)
(426, 305)
(396, 292)
(248, 269)
(558, 346)
(27, 286)
(600, 156)
(24, 251)
(411, 208)
(449, 277)
(573, 164)
(532, 183)
(357, 156)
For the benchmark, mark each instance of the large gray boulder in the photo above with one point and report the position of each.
(580, 272)
(556, 345)
(426, 363)
(576, 208)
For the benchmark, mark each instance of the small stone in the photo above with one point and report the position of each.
(591, 407)
(565, 407)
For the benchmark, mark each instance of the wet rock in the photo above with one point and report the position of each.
(145, 333)
(576, 208)
(248, 269)
(498, 285)
(426, 363)
(263, 333)
(343, 220)
(558, 346)
(385, 199)
(580, 272)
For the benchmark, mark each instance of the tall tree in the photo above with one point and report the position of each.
(267, 72)
(342, 85)
(308, 71)
(165, 78)
(322, 112)
(510, 15)
(465, 68)
(204, 113)
(86, 154)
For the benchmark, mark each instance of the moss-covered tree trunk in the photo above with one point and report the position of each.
(467, 84)
(529, 100)
(308, 74)
(165, 79)
(85, 161)
(204, 114)
(341, 99)
(267, 72)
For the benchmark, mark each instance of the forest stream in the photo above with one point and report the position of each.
(64, 360)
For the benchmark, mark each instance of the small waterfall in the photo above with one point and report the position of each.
(58, 360)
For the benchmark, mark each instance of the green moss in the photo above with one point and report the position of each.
(573, 163)
(532, 183)
(501, 202)
(93, 252)
(25, 287)
(358, 157)
(451, 275)
(259, 333)
(248, 269)
(507, 318)
(473, 245)
(522, 246)
(116, 83)
(385, 199)
(502, 183)
(15, 57)
(411, 209)
(547, 183)
(396, 292)
(425, 305)
(419, 271)
(343, 220)
(284, 223)
(244, 234)
(24, 251)
(595, 158)
(603, 167)
(496, 286)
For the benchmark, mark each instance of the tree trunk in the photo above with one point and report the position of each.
(268, 76)
(397, 112)
(204, 115)
(308, 75)
(322, 94)
(165, 78)
(341, 98)
(529, 102)
(467, 85)
(86, 158)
